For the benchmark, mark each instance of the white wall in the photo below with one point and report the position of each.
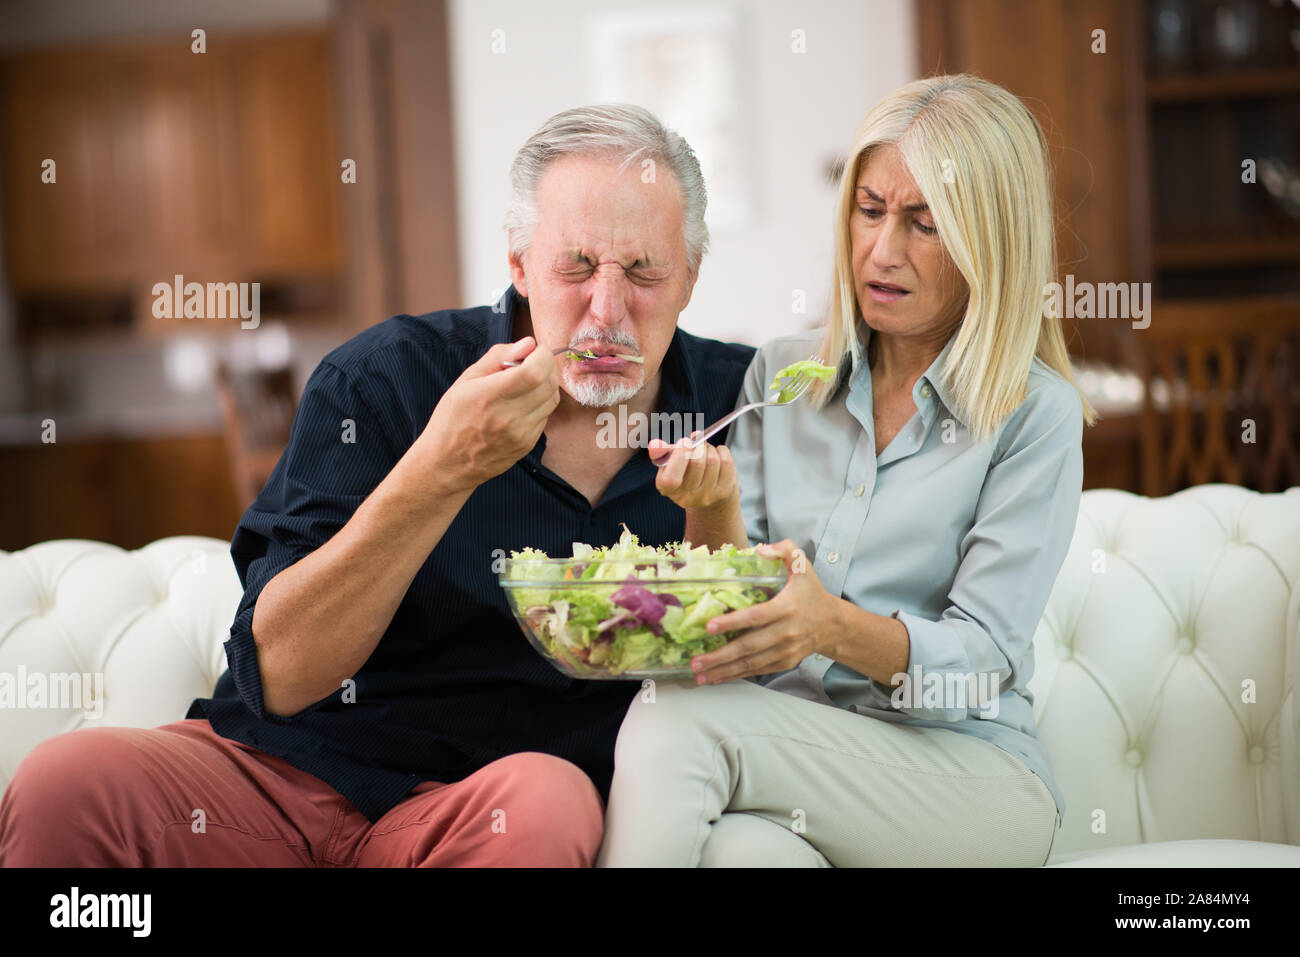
(807, 108)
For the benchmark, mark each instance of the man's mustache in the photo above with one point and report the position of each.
(605, 338)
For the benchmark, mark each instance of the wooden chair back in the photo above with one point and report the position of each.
(258, 407)
(1221, 395)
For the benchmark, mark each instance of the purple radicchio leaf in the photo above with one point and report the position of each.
(639, 600)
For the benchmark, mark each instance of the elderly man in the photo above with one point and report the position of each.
(381, 706)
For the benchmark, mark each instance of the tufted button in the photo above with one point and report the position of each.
(1186, 644)
(832, 558)
(1133, 758)
(1257, 755)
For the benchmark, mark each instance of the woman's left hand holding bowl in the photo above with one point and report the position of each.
(800, 620)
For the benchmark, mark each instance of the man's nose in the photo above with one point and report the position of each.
(609, 295)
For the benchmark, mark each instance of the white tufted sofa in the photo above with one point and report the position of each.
(1164, 608)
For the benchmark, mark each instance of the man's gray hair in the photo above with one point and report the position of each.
(618, 130)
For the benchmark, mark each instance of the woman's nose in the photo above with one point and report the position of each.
(890, 246)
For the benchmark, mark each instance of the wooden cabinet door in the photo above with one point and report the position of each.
(1046, 52)
(80, 230)
(191, 220)
(290, 156)
(190, 137)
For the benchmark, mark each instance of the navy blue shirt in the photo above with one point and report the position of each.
(453, 684)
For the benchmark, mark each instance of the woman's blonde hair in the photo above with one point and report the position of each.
(980, 160)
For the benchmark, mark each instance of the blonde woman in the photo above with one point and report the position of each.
(923, 502)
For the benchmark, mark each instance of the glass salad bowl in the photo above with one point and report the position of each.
(630, 610)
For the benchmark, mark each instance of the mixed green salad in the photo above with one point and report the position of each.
(633, 608)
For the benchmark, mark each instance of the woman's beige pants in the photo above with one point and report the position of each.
(738, 775)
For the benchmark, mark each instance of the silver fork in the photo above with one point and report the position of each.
(579, 354)
(797, 387)
(558, 352)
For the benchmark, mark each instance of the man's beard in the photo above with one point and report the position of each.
(595, 394)
(598, 395)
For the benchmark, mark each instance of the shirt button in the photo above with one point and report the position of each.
(857, 492)
(823, 658)
(925, 391)
(833, 557)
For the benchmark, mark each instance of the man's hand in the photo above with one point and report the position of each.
(491, 417)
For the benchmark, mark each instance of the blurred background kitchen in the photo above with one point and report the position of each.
(351, 157)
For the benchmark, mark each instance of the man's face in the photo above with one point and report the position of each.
(605, 272)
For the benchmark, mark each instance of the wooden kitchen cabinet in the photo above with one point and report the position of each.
(221, 166)
(290, 204)
(81, 229)
(189, 131)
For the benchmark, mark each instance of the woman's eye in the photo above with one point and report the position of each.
(874, 214)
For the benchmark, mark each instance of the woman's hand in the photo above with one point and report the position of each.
(700, 478)
(803, 619)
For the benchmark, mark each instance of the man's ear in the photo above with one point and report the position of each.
(690, 288)
(517, 273)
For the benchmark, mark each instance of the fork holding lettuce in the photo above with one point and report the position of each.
(703, 480)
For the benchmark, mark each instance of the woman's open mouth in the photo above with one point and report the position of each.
(886, 291)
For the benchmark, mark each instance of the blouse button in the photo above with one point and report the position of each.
(857, 492)
(832, 558)
(925, 391)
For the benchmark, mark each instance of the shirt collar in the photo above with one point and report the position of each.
(926, 390)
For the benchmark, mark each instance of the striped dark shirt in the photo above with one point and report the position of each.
(453, 684)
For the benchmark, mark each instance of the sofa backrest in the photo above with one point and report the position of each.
(1165, 664)
(150, 623)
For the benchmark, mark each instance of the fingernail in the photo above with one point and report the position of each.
(701, 680)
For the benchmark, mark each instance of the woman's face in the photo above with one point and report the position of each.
(905, 281)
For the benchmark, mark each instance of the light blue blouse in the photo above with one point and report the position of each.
(959, 540)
